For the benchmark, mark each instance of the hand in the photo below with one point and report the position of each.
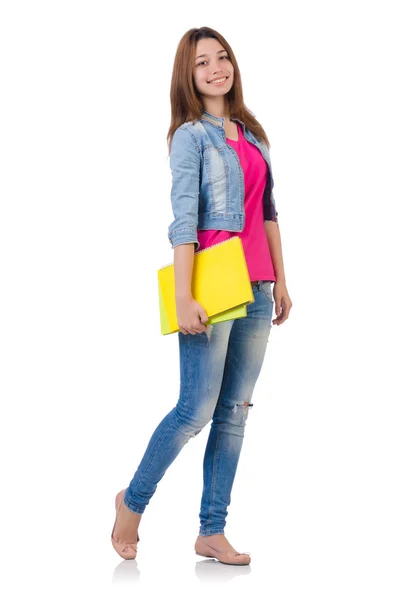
(191, 316)
(282, 301)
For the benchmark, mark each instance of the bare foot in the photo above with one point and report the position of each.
(126, 528)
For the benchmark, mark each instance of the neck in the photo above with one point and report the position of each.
(217, 107)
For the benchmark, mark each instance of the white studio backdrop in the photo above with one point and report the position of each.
(86, 375)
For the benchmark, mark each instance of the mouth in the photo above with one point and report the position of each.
(218, 81)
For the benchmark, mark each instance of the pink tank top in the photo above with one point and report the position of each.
(253, 236)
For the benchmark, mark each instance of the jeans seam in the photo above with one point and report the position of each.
(213, 479)
(189, 378)
(216, 450)
(265, 294)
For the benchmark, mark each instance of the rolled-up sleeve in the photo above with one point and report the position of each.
(270, 211)
(185, 188)
(269, 207)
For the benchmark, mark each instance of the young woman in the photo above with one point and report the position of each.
(222, 185)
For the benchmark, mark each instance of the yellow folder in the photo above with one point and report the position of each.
(220, 283)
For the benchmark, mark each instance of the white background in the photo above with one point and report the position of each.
(86, 375)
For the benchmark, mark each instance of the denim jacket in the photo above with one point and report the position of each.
(208, 182)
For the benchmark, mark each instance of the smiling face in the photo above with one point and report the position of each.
(212, 62)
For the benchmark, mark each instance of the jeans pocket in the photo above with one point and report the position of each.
(267, 290)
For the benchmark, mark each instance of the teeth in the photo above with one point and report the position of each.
(218, 80)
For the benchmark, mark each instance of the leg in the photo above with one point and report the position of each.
(245, 355)
(201, 371)
(202, 360)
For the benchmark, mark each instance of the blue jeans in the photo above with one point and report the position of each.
(218, 371)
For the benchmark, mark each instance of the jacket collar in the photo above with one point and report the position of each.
(219, 121)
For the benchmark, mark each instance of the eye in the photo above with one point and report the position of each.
(203, 61)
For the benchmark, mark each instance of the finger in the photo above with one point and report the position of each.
(279, 315)
(283, 318)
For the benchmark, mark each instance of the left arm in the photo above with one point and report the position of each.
(280, 293)
(273, 237)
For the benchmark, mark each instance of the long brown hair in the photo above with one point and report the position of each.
(185, 99)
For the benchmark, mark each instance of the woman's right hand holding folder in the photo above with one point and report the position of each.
(191, 315)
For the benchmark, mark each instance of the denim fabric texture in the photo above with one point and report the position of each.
(207, 189)
(218, 372)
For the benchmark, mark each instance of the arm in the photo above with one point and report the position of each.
(185, 163)
(182, 233)
(191, 315)
(183, 268)
(283, 302)
(282, 299)
(273, 237)
(272, 230)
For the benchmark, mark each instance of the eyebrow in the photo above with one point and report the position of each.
(219, 51)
